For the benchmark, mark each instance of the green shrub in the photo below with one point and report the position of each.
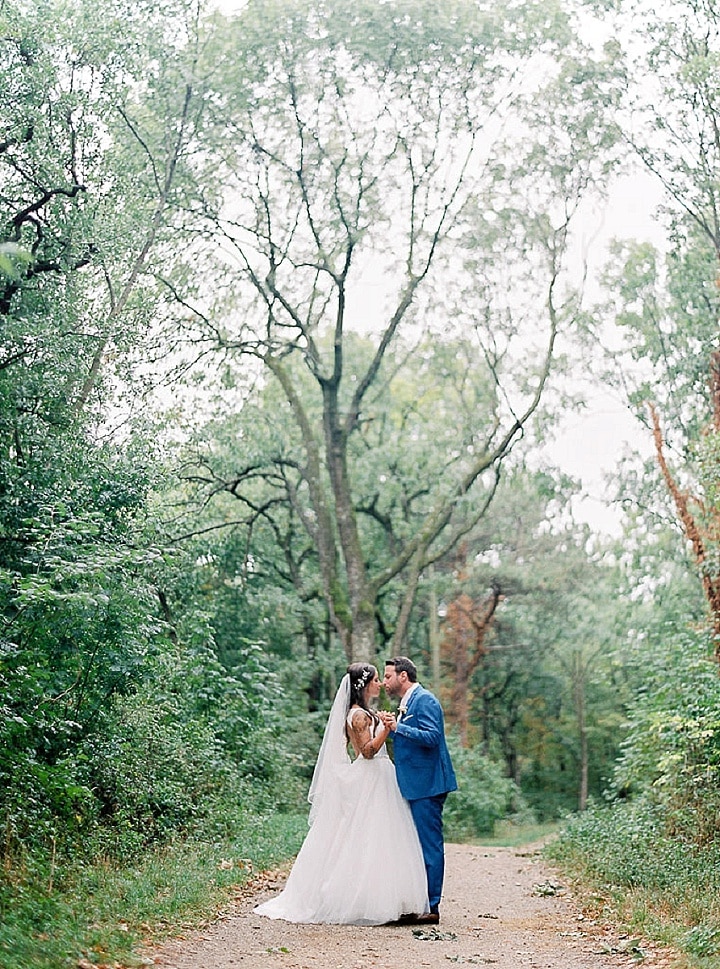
(702, 940)
(671, 753)
(626, 844)
(154, 771)
(484, 796)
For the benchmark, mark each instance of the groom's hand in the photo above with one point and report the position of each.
(388, 719)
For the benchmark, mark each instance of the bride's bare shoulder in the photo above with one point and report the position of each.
(358, 717)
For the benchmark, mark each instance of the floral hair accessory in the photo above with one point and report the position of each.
(363, 680)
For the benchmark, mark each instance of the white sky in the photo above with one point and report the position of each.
(590, 445)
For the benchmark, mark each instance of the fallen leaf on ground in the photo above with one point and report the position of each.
(433, 935)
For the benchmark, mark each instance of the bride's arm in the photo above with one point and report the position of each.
(364, 744)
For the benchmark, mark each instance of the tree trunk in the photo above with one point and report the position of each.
(460, 637)
(434, 633)
(579, 671)
(319, 525)
(467, 626)
(360, 637)
(407, 604)
(691, 525)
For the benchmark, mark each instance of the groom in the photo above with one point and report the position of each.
(424, 771)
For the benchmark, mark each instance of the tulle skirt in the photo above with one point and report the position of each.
(361, 862)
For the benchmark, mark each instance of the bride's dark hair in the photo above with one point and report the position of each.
(360, 675)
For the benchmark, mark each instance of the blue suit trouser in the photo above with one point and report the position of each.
(427, 815)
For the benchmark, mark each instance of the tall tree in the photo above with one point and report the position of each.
(666, 304)
(105, 107)
(99, 110)
(413, 175)
(99, 105)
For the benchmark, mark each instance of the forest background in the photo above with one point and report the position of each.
(294, 300)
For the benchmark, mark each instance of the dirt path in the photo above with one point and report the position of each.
(501, 907)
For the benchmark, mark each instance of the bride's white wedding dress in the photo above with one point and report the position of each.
(361, 862)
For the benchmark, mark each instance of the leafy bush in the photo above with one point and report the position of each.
(702, 940)
(671, 754)
(655, 883)
(114, 733)
(153, 771)
(652, 848)
(484, 796)
(625, 844)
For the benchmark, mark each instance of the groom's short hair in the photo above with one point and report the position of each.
(404, 665)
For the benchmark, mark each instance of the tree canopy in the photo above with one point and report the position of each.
(449, 172)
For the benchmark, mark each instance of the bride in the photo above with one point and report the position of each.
(361, 861)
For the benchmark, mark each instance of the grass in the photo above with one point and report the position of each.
(104, 913)
(509, 835)
(657, 888)
(657, 917)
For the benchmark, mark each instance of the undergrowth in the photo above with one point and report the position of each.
(632, 872)
(54, 916)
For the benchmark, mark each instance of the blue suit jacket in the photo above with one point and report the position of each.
(422, 760)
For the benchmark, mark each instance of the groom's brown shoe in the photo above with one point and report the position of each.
(429, 918)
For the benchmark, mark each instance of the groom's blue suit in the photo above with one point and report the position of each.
(425, 776)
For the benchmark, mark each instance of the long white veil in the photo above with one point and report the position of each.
(333, 754)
